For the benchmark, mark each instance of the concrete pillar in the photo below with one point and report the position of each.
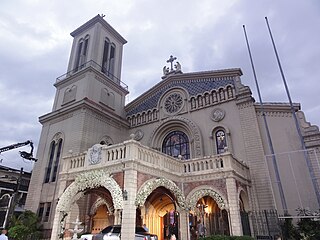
(129, 208)
(56, 228)
(234, 211)
(184, 225)
(117, 216)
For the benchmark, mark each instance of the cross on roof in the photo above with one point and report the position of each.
(170, 60)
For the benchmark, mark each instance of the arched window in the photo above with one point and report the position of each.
(54, 159)
(176, 143)
(56, 163)
(82, 52)
(221, 141)
(108, 60)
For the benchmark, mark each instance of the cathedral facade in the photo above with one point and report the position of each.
(189, 152)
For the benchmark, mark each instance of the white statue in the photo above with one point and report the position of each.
(165, 70)
(177, 66)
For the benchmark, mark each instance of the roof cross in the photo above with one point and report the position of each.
(170, 60)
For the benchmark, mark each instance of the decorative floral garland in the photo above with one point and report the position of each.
(90, 180)
(151, 185)
(206, 192)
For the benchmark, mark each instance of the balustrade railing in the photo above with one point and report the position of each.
(96, 66)
(134, 151)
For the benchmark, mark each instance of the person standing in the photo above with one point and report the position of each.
(3, 235)
(144, 226)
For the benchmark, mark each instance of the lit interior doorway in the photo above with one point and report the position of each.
(100, 214)
(208, 219)
(160, 214)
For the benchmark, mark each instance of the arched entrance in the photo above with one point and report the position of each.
(244, 207)
(160, 214)
(88, 186)
(208, 219)
(159, 202)
(101, 213)
(208, 214)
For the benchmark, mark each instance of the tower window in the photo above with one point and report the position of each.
(108, 60)
(81, 55)
(176, 143)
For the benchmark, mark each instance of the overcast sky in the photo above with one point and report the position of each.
(204, 35)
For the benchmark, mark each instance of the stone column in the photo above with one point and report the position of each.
(56, 228)
(184, 224)
(117, 217)
(129, 208)
(234, 210)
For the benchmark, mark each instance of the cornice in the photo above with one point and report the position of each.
(92, 22)
(84, 103)
(224, 73)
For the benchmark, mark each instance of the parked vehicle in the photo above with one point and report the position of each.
(114, 233)
(86, 236)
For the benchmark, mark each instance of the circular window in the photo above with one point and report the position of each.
(173, 103)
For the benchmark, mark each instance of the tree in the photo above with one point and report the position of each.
(25, 227)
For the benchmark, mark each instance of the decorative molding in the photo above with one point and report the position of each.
(94, 154)
(173, 103)
(217, 114)
(138, 135)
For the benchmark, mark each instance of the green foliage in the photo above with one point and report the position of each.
(309, 229)
(288, 229)
(222, 237)
(25, 227)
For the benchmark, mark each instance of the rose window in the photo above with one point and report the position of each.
(173, 103)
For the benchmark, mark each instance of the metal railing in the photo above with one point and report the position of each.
(97, 67)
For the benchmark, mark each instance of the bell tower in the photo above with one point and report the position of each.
(88, 109)
(94, 69)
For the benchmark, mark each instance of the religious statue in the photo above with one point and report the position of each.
(177, 66)
(165, 70)
(169, 70)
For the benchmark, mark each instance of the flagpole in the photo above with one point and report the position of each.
(274, 161)
(309, 164)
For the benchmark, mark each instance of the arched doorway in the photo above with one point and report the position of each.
(160, 214)
(244, 206)
(208, 219)
(84, 191)
(160, 201)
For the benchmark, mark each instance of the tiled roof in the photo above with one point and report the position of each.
(194, 87)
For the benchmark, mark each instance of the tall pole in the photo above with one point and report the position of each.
(309, 164)
(274, 160)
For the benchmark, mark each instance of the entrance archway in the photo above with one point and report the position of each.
(244, 208)
(96, 180)
(159, 202)
(208, 214)
(160, 213)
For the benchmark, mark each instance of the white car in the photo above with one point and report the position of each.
(114, 233)
(86, 237)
